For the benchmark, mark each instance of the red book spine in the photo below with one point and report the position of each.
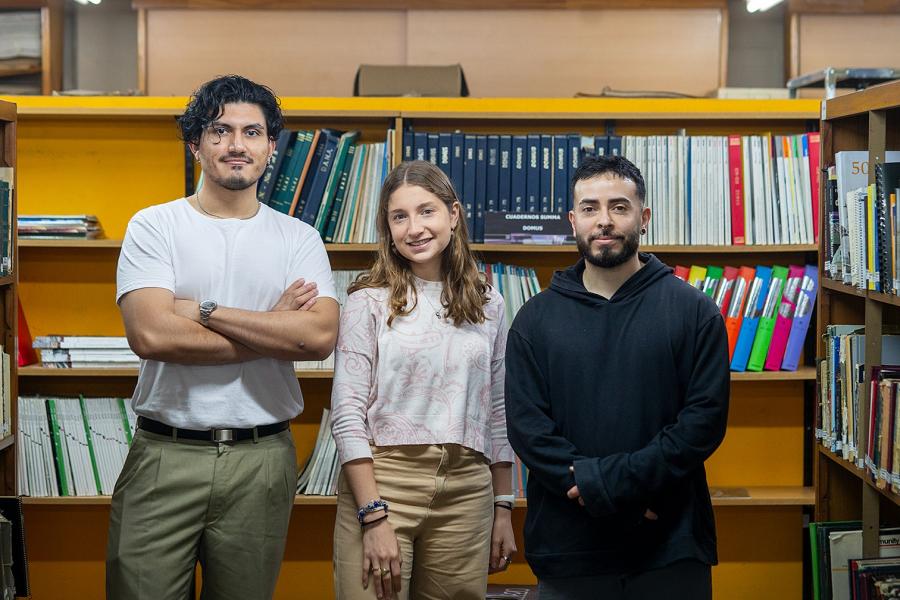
(737, 198)
(815, 159)
(26, 353)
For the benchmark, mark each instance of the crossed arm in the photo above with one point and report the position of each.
(161, 327)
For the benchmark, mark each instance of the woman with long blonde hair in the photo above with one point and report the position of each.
(424, 496)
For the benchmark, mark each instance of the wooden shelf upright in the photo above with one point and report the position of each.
(866, 120)
(8, 299)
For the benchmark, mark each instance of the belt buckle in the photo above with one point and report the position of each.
(223, 435)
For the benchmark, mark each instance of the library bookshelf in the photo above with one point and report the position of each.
(114, 156)
(868, 120)
(8, 297)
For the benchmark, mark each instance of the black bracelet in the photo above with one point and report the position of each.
(505, 505)
(373, 521)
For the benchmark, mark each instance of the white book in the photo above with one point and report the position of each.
(725, 223)
(747, 189)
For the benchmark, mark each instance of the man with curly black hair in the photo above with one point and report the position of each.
(219, 295)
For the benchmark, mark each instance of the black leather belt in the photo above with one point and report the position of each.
(211, 435)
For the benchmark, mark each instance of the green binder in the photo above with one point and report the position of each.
(58, 449)
(712, 279)
(767, 321)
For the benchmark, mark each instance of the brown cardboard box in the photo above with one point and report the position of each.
(410, 80)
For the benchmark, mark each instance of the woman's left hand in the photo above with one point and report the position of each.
(503, 541)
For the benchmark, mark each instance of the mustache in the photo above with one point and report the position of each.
(605, 234)
(243, 157)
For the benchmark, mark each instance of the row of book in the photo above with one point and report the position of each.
(717, 190)
(862, 240)
(328, 179)
(767, 311)
(6, 216)
(72, 446)
(839, 571)
(59, 227)
(843, 398)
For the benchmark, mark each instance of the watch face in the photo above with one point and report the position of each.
(208, 305)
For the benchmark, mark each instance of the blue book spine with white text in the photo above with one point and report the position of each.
(492, 188)
(420, 146)
(560, 173)
(456, 162)
(504, 169)
(468, 196)
(480, 186)
(533, 175)
(444, 142)
(519, 173)
(546, 197)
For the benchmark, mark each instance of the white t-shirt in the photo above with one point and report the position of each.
(238, 263)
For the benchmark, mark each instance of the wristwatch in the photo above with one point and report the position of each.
(206, 309)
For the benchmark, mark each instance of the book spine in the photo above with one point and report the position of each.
(533, 174)
(469, 168)
(737, 199)
(784, 319)
(560, 173)
(545, 202)
(518, 175)
(480, 187)
(504, 173)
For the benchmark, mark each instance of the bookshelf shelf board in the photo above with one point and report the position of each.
(877, 97)
(837, 286)
(7, 280)
(885, 298)
(860, 474)
(7, 442)
(73, 243)
(485, 248)
(445, 108)
(36, 371)
(804, 373)
(748, 496)
(15, 71)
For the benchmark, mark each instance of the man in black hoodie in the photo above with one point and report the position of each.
(617, 385)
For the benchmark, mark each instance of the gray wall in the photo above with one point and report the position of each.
(755, 46)
(103, 42)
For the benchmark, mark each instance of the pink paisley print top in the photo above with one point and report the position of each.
(420, 381)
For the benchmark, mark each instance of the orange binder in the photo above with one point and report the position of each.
(735, 313)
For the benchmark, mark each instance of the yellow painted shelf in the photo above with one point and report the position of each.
(743, 496)
(802, 374)
(486, 108)
(521, 248)
(34, 371)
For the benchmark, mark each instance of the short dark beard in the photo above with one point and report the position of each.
(235, 183)
(606, 258)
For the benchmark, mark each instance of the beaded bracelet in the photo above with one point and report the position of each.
(373, 506)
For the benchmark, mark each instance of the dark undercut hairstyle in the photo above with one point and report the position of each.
(618, 166)
(207, 103)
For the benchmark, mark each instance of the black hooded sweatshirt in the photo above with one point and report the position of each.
(633, 392)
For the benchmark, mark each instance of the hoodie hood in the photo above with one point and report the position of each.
(570, 281)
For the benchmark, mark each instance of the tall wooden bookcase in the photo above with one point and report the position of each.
(866, 120)
(113, 156)
(8, 285)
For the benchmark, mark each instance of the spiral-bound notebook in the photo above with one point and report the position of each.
(11, 509)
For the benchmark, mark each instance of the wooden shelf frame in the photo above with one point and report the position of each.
(732, 496)
(105, 244)
(526, 109)
(849, 122)
(804, 373)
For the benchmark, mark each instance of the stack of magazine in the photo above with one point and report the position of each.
(59, 227)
